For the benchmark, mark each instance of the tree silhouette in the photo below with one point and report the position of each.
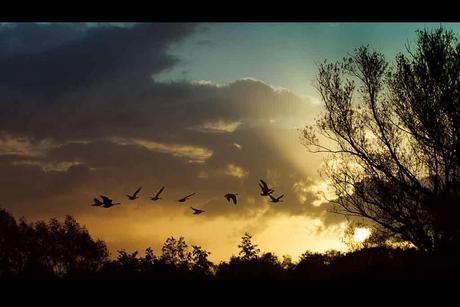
(200, 263)
(47, 250)
(11, 246)
(248, 250)
(393, 138)
(128, 262)
(176, 252)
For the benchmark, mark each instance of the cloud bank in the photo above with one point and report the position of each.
(82, 115)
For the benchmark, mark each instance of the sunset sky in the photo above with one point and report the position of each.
(89, 109)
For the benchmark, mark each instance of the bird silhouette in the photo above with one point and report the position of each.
(97, 203)
(108, 202)
(196, 211)
(134, 196)
(232, 197)
(156, 197)
(266, 191)
(276, 199)
(185, 198)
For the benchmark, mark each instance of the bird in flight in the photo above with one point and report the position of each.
(134, 196)
(266, 191)
(108, 202)
(97, 203)
(276, 199)
(196, 211)
(232, 197)
(185, 198)
(156, 197)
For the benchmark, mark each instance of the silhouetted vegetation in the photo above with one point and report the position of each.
(393, 135)
(47, 250)
(65, 250)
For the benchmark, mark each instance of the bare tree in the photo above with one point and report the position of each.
(392, 135)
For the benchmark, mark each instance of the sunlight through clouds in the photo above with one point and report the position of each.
(23, 146)
(193, 153)
(321, 190)
(217, 126)
(49, 166)
(236, 171)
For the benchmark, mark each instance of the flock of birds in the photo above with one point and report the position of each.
(106, 202)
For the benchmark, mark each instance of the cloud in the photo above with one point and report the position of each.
(23, 146)
(237, 146)
(49, 166)
(217, 126)
(192, 153)
(322, 191)
(235, 171)
(73, 56)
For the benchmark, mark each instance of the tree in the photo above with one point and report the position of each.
(249, 250)
(200, 262)
(128, 262)
(392, 135)
(11, 249)
(48, 250)
(149, 258)
(176, 252)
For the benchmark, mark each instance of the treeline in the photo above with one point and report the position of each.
(65, 250)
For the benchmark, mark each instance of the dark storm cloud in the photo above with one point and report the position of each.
(43, 84)
(82, 82)
(31, 39)
(110, 127)
(72, 58)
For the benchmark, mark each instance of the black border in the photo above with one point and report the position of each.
(234, 11)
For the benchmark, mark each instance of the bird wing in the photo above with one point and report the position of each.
(264, 184)
(233, 197)
(159, 192)
(189, 195)
(280, 196)
(195, 210)
(97, 201)
(138, 190)
(271, 197)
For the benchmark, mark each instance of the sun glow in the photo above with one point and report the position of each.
(361, 234)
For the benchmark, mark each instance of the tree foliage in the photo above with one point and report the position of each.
(50, 249)
(248, 250)
(43, 251)
(393, 138)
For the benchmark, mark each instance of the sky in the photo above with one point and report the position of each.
(91, 109)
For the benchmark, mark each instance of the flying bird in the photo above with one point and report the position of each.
(276, 199)
(197, 211)
(134, 196)
(108, 202)
(97, 203)
(232, 197)
(266, 191)
(185, 198)
(156, 197)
